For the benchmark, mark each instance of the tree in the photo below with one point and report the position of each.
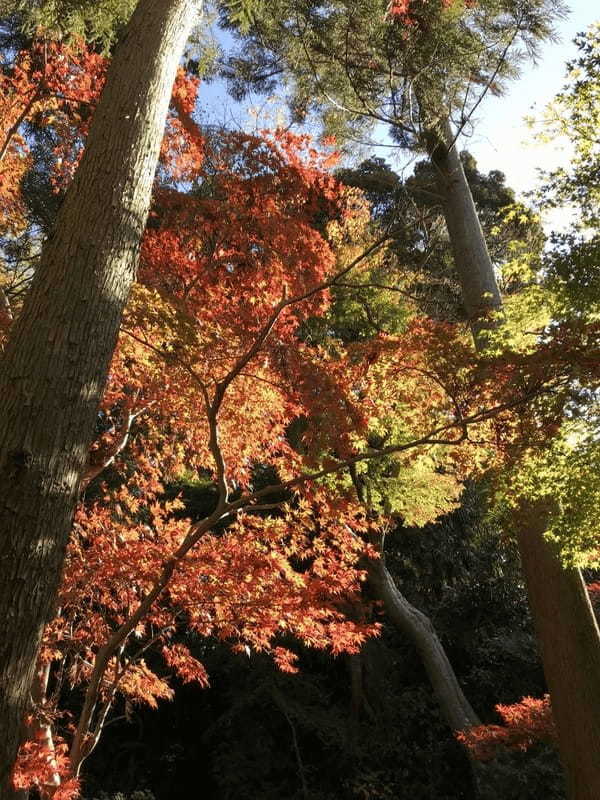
(570, 534)
(572, 118)
(402, 68)
(215, 345)
(425, 372)
(420, 243)
(55, 362)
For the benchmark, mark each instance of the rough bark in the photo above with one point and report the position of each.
(54, 367)
(565, 624)
(6, 315)
(455, 707)
(569, 640)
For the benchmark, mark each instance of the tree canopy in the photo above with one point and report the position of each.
(294, 406)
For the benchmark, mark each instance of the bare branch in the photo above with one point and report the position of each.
(12, 131)
(117, 447)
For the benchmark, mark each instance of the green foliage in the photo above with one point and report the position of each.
(415, 492)
(243, 13)
(95, 20)
(565, 478)
(424, 266)
(572, 263)
(100, 21)
(574, 117)
(573, 275)
(359, 313)
(353, 64)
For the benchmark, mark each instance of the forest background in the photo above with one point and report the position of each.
(343, 386)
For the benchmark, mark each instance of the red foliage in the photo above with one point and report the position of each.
(43, 763)
(525, 723)
(406, 11)
(214, 266)
(245, 240)
(52, 84)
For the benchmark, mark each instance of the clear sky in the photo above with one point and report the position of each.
(501, 140)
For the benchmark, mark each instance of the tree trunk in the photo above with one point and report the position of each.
(455, 707)
(569, 640)
(565, 624)
(480, 293)
(54, 367)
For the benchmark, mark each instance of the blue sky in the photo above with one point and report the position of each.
(501, 140)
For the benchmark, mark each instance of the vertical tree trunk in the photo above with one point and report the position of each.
(569, 638)
(54, 368)
(455, 707)
(565, 624)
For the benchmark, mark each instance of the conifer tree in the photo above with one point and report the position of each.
(53, 369)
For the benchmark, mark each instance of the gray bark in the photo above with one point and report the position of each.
(567, 631)
(455, 707)
(479, 288)
(54, 367)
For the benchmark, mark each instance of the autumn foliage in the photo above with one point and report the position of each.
(406, 12)
(51, 84)
(525, 723)
(249, 239)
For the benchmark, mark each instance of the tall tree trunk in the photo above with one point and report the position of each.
(565, 624)
(54, 368)
(568, 633)
(479, 288)
(455, 707)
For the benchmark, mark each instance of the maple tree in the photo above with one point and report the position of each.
(250, 246)
(50, 85)
(249, 238)
(524, 723)
(359, 67)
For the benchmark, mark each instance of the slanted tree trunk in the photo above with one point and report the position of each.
(54, 368)
(479, 288)
(565, 624)
(455, 707)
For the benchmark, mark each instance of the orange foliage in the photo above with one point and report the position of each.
(45, 766)
(244, 243)
(594, 593)
(525, 723)
(405, 11)
(50, 84)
